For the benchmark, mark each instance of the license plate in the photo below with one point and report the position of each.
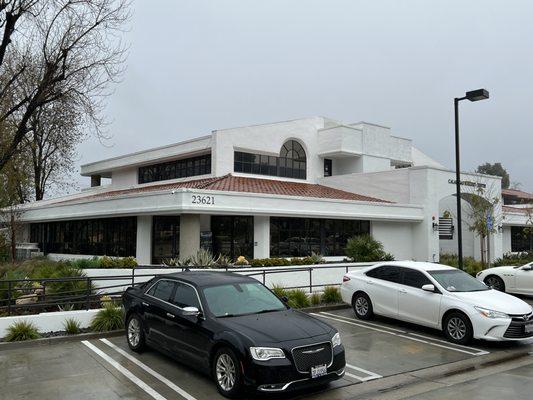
(529, 328)
(318, 371)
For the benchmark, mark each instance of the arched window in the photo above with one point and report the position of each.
(292, 161)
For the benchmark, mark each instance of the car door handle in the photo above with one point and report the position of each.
(145, 304)
(403, 291)
(170, 315)
(370, 282)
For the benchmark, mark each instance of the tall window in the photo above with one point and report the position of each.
(105, 236)
(291, 162)
(193, 166)
(297, 237)
(165, 238)
(521, 239)
(233, 236)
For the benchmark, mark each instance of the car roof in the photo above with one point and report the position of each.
(418, 265)
(208, 278)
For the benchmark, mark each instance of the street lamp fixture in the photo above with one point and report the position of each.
(473, 95)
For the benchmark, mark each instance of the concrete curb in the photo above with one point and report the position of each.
(59, 339)
(328, 307)
(407, 380)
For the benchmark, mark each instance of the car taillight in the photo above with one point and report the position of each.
(345, 278)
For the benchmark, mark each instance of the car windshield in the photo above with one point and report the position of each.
(457, 281)
(240, 299)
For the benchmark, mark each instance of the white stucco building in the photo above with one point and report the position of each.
(282, 189)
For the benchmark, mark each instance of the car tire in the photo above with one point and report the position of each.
(135, 333)
(362, 306)
(457, 328)
(227, 373)
(495, 282)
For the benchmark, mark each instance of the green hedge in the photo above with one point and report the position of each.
(470, 265)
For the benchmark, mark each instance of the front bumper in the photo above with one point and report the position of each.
(279, 375)
(501, 329)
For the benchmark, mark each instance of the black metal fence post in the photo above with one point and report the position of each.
(88, 294)
(9, 298)
(310, 280)
(132, 276)
(264, 277)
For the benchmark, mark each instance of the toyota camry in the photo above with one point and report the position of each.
(440, 297)
(233, 328)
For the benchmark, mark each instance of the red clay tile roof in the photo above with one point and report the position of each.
(232, 183)
(518, 193)
(520, 210)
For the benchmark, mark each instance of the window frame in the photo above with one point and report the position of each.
(175, 282)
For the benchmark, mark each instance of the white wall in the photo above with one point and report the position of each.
(124, 178)
(144, 240)
(506, 240)
(396, 238)
(50, 321)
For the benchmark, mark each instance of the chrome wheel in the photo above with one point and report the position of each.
(225, 370)
(361, 306)
(495, 283)
(456, 328)
(134, 332)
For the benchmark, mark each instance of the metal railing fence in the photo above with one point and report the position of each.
(35, 295)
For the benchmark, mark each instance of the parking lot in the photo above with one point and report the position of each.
(107, 369)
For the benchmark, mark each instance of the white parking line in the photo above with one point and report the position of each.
(371, 375)
(364, 322)
(406, 336)
(124, 371)
(145, 367)
(479, 351)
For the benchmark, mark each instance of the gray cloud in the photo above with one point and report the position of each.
(195, 66)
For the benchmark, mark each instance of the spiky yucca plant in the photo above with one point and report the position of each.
(20, 331)
(109, 318)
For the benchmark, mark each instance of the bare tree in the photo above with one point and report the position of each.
(55, 131)
(77, 49)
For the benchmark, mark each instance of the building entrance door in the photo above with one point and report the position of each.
(165, 238)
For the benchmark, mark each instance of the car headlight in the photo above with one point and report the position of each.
(266, 353)
(491, 313)
(336, 340)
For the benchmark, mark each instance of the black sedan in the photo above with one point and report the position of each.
(233, 328)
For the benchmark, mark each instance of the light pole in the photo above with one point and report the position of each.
(473, 95)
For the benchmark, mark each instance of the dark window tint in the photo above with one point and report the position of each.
(185, 296)
(415, 278)
(387, 273)
(291, 163)
(328, 166)
(193, 166)
(115, 237)
(162, 290)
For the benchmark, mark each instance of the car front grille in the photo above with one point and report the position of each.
(516, 329)
(310, 356)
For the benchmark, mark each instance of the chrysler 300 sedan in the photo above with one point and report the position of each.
(233, 328)
(440, 297)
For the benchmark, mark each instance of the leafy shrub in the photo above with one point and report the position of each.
(470, 265)
(298, 298)
(241, 260)
(279, 291)
(72, 326)
(86, 263)
(20, 331)
(128, 262)
(364, 248)
(331, 294)
(108, 318)
(315, 299)
(514, 259)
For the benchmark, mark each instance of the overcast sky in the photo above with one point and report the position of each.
(196, 66)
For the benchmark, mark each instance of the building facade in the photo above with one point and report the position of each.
(275, 190)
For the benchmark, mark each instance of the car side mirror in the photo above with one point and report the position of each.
(527, 268)
(191, 312)
(429, 288)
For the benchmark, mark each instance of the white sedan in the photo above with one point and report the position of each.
(518, 280)
(440, 297)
